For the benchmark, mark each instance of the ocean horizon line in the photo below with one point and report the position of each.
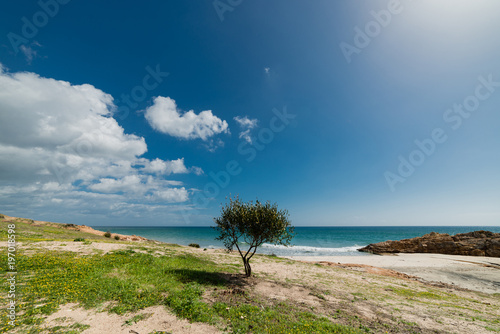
(307, 240)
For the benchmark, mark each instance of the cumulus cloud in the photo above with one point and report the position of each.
(159, 166)
(164, 117)
(60, 146)
(52, 128)
(246, 125)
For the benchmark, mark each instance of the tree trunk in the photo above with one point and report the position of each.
(248, 269)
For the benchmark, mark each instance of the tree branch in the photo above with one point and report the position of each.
(238, 247)
(251, 246)
(255, 250)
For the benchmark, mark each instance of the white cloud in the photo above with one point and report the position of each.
(150, 188)
(130, 183)
(246, 122)
(212, 145)
(29, 51)
(197, 170)
(246, 125)
(60, 147)
(159, 166)
(51, 115)
(164, 117)
(169, 195)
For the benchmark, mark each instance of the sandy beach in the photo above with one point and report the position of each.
(469, 272)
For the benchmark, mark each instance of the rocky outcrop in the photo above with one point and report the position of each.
(478, 243)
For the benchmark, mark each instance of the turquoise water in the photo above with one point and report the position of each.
(309, 241)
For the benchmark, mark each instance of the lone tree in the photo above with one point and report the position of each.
(254, 224)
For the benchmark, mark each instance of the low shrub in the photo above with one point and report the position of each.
(107, 234)
(117, 237)
(194, 245)
(79, 239)
(124, 252)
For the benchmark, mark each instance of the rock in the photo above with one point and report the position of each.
(494, 248)
(478, 243)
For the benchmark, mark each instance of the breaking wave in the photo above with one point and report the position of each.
(308, 250)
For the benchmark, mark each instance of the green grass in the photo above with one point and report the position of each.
(249, 316)
(418, 294)
(26, 231)
(75, 328)
(491, 329)
(132, 281)
(136, 318)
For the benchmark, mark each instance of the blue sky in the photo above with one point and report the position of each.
(345, 113)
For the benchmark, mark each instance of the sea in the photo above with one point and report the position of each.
(308, 241)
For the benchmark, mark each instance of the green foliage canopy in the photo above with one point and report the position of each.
(254, 224)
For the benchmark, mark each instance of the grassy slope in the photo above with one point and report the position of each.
(209, 288)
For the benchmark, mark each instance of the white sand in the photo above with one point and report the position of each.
(470, 272)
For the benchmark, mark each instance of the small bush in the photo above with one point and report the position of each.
(124, 252)
(107, 234)
(194, 245)
(79, 239)
(117, 237)
(2, 216)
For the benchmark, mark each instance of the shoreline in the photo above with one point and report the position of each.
(475, 273)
